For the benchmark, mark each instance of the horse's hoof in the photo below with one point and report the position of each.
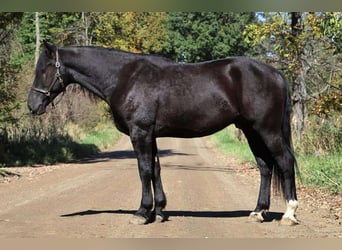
(159, 218)
(287, 221)
(138, 220)
(256, 217)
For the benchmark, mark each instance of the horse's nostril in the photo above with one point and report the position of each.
(34, 110)
(30, 108)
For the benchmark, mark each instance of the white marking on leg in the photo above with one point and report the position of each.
(291, 207)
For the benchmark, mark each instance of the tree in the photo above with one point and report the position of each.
(62, 28)
(198, 36)
(8, 70)
(129, 31)
(306, 47)
(85, 37)
(325, 72)
(299, 88)
(36, 54)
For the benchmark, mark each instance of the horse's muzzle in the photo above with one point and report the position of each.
(37, 110)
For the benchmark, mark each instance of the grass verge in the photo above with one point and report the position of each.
(28, 148)
(324, 171)
(226, 141)
(102, 136)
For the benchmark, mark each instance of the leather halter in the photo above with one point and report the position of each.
(58, 78)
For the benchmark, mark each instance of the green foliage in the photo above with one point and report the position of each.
(59, 27)
(129, 31)
(317, 170)
(39, 144)
(8, 86)
(325, 104)
(330, 27)
(227, 141)
(323, 136)
(182, 36)
(314, 52)
(322, 172)
(8, 70)
(198, 36)
(34, 146)
(102, 138)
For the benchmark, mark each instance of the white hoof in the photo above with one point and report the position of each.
(159, 219)
(138, 220)
(287, 221)
(256, 217)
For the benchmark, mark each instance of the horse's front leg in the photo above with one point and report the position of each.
(263, 203)
(159, 195)
(143, 146)
(265, 163)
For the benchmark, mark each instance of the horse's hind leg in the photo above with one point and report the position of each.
(265, 164)
(285, 162)
(159, 195)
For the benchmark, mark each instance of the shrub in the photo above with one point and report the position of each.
(323, 136)
(39, 146)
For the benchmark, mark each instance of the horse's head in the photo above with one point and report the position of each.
(48, 81)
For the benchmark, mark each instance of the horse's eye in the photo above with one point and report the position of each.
(41, 71)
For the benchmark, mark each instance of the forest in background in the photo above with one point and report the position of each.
(305, 46)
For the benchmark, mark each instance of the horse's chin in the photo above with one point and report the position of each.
(41, 110)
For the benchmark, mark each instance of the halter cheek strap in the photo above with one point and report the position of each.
(58, 78)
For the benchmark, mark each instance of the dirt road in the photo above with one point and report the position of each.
(208, 196)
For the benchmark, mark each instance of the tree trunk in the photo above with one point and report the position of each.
(299, 91)
(86, 26)
(299, 95)
(37, 39)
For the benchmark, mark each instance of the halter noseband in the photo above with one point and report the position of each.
(57, 78)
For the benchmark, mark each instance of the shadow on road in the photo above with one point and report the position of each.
(269, 217)
(122, 154)
(129, 154)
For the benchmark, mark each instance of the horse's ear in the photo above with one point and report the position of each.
(49, 48)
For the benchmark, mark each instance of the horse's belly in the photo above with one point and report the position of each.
(195, 124)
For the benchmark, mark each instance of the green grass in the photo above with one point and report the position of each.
(102, 138)
(29, 149)
(226, 141)
(59, 148)
(323, 171)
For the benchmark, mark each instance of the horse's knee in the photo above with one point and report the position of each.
(146, 173)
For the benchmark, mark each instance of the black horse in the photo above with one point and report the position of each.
(151, 96)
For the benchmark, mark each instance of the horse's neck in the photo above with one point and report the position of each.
(95, 70)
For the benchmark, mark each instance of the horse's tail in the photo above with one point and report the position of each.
(278, 179)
